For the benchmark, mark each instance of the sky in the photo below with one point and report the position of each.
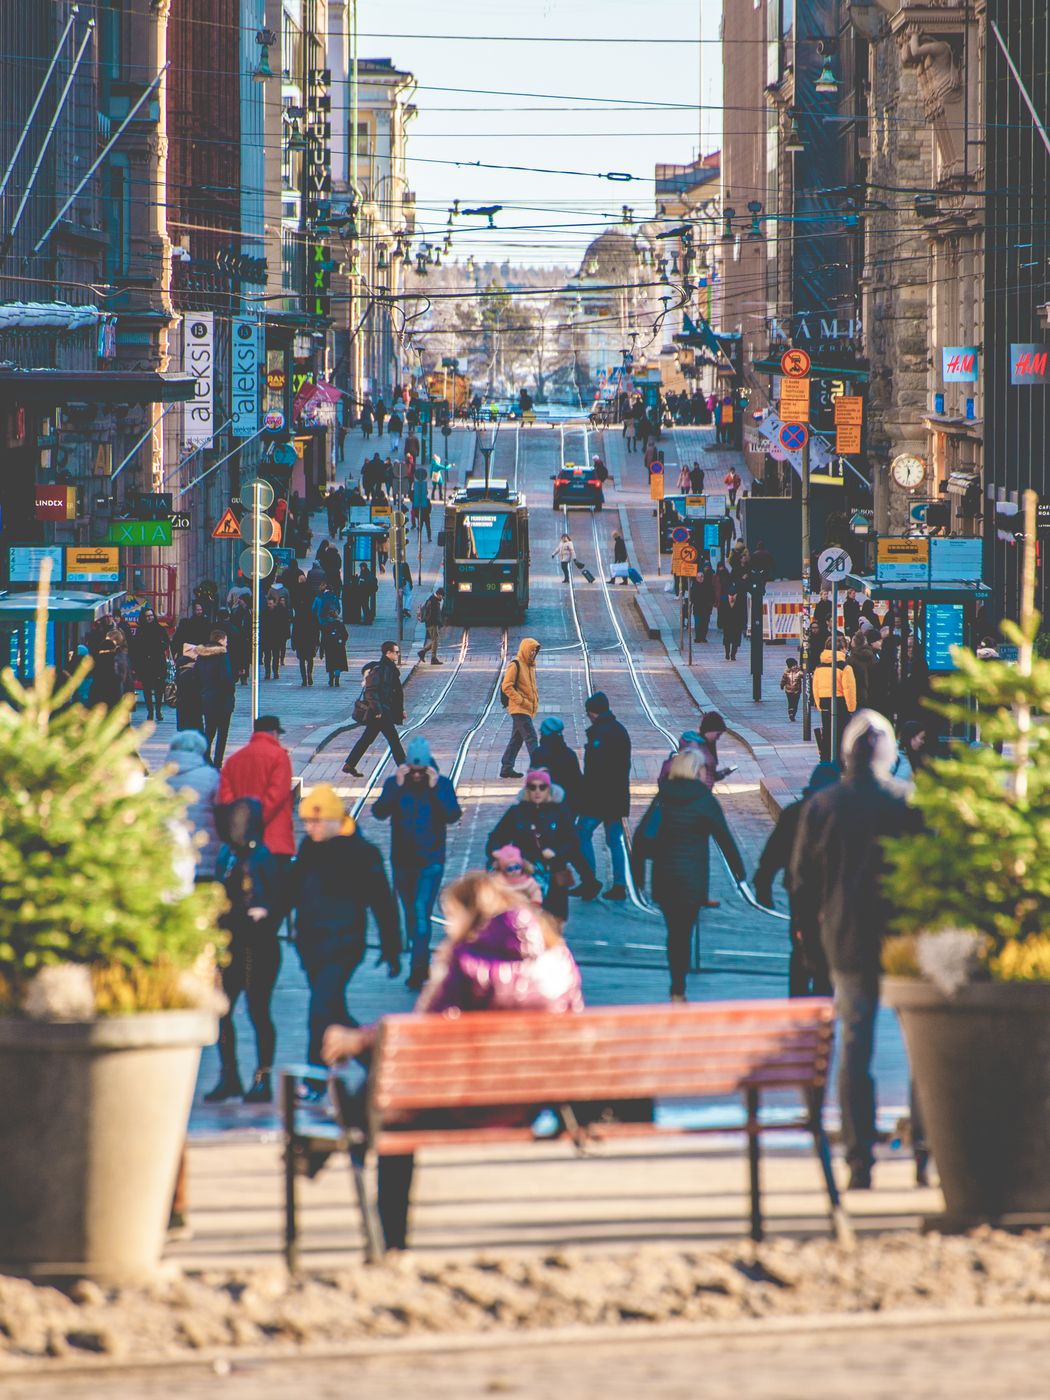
(571, 119)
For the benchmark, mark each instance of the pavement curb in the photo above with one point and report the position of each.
(221, 1359)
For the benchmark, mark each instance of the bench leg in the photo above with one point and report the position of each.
(291, 1223)
(840, 1224)
(375, 1246)
(751, 1096)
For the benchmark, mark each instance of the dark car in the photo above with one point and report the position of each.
(578, 486)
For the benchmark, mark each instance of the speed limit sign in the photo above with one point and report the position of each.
(834, 564)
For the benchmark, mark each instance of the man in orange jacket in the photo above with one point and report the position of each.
(845, 699)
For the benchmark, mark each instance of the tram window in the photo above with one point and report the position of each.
(485, 537)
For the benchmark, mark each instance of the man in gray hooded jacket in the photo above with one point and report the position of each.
(837, 868)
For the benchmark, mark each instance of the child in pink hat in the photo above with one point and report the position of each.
(514, 872)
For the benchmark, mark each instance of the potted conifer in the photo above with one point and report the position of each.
(969, 973)
(107, 988)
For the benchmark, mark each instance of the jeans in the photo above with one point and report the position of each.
(793, 699)
(565, 569)
(217, 728)
(306, 669)
(417, 888)
(154, 698)
(680, 918)
(523, 731)
(371, 731)
(857, 1005)
(271, 660)
(255, 961)
(329, 963)
(586, 827)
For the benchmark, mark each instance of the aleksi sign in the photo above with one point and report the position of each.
(244, 350)
(1030, 364)
(198, 359)
(959, 364)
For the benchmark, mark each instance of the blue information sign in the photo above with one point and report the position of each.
(711, 536)
(955, 561)
(944, 630)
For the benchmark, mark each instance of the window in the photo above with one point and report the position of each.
(485, 536)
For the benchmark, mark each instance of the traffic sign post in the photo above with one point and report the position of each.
(656, 493)
(256, 496)
(833, 565)
(794, 436)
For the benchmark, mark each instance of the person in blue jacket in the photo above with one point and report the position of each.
(421, 806)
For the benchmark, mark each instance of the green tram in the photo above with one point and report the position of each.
(485, 540)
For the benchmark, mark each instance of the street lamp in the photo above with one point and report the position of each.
(793, 145)
(826, 81)
(266, 39)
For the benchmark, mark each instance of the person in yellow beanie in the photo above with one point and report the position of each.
(337, 878)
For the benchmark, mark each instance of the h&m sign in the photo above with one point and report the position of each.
(1030, 364)
(959, 364)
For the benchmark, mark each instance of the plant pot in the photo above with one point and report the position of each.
(981, 1065)
(93, 1119)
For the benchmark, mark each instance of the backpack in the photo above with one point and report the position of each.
(504, 698)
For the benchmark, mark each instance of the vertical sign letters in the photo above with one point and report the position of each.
(198, 359)
(244, 348)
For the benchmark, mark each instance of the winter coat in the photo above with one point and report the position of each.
(837, 865)
(606, 790)
(562, 764)
(334, 884)
(619, 550)
(335, 635)
(263, 769)
(565, 552)
(519, 680)
(110, 677)
(689, 815)
(193, 771)
(191, 631)
(861, 659)
(732, 616)
(430, 612)
(215, 676)
(846, 682)
(325, 606)
(306, 634)
(419, 817)
(274, 626)
(149, 653)
(505, 966)
(383, 692)
(538, 826)
(702, 592)
(250, 876)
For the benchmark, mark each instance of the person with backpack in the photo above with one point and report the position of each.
(430, 617)
(519, 696)
(380, 707)
(252, 880)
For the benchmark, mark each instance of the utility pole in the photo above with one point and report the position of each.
(807, 732)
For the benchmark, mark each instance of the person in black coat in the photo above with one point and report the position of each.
(110, 675)
(218, 693)
(674, 835)
(560, 761)
(605, 799)
(733, 617)
(369, 589)
(384, 700)
(541, 826)
(702, 600)
(193, 630)
(334, 641)
(337, 879)
(306, 638)
(837, 869)
(808, 968)
(148, 652)
(273, 636)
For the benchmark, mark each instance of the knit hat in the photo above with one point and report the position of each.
(552, 725)
(534, 775)
(505, 856)
(690, 737)
(418, 753)
(597, 704)
(322, 802)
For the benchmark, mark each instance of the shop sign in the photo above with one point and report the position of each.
(141, 534)
(56, 503)
(959, 364)
(902, 560)
(1030, 364)
(198, 359)
(244, 351)
(92, 563)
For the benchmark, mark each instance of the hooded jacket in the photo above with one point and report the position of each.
(689, 815)
(506, 966)
(334, 884)
(215, 676)
(606, 770)
(519, 680)
(419, 817)
(837, 863)
(263, 769)
(189, 753)
(846, 681)
(862, 660)
(538, 826)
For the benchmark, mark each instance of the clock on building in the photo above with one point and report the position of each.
(908, 471)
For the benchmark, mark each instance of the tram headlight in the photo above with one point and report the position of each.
(506, 588)
(465, 587)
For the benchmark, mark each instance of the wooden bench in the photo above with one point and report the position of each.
(505, 1060)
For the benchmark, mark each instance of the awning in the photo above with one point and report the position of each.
(960, 482)
(62, 606)
(59, 386)
(815, 370)
(925, 592)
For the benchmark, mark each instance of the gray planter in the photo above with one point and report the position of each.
(981, 1064)
(93, 1118)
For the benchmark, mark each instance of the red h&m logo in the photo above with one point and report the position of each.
(962, 364)
(1029, 364)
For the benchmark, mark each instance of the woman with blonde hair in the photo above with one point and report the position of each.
(674, 835)
(500, 953)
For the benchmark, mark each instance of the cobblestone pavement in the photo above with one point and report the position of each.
(620, 947)
(820, 1361)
